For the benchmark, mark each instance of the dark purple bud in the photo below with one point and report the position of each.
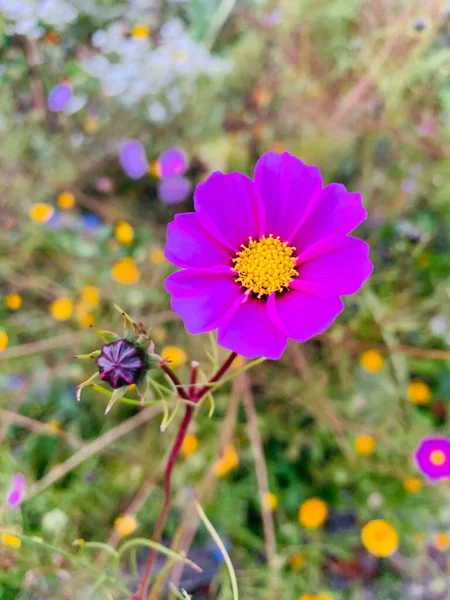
(121, 363)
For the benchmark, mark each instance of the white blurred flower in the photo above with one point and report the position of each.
(375, 501)
(55, 521)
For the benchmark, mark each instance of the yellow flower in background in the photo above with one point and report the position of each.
(61, 309)
(312, 513)
(371, 361)
(379, 538)
(419, 392)
(140, 31)
(41, 212)
(155, 169)
(83, 316)
(158, 334)
(12, 541)
(270, 501)
(238, 362)
(90, 125)
(66, 200)
(442, 541)
(13, 301)
(323, 596)
(177, 356)
(53, 427)
(90, 296)
(307, 597)
(189, 445)
(125, 271)
(156, 256)
(412, 485)
(124, 233)
(296, 561)
(3, 340)
(125, 525)
(364, 445)
(228, 462)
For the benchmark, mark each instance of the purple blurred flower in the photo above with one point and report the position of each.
(121, 363)
(133, 159)
(17, 490)
(268, 259)
(59, 97)
(174, 189)
(172, 162)
(432, 457)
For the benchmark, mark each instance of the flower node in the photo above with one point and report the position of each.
(265, 266)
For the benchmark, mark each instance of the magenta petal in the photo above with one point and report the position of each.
(301, 316)
(340, 272)
(189, 245)
(229, 208)
(336, 212)
(289, 189)
(202, 299)
(251, 333)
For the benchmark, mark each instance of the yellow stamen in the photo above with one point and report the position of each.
(265, 266)
(437, 458)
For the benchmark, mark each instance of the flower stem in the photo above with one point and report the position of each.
(194, 398)
(167, 496)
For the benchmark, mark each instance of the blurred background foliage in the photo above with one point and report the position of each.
(360, 88)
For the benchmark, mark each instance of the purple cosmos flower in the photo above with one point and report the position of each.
(133, 159)
(17, 490)
(174, 190)
(121, 363)
(172, 162)
(432, 457)
(59, 97)
(268, 259)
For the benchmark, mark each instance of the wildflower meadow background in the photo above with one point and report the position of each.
(319, 476)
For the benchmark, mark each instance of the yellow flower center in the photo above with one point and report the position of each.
(265, 266)
(437, 458)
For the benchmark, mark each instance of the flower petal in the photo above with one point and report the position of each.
(289, 189)
(202, 299)
(336, 212)
(301, 316)
(249, 332)
(339, 272)
(189, 245)
(229, 208)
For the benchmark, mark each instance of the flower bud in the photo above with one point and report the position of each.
(121, 363)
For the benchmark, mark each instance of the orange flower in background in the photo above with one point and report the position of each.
(379, 538)
(61, 309)
(125, 271)
(189, 445)
(296, 561)
(156, 256)
(3, 340)
(364, 445)
(41, 212)
(412, 485)
(312, 513)
(371, 361)
(66, 200)
(270, 501)
(419, 392)
(124, 233)
(13, 301)
(177, 356)
(228, 462)
(125, 525)
(442, 541)
(90, 296)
